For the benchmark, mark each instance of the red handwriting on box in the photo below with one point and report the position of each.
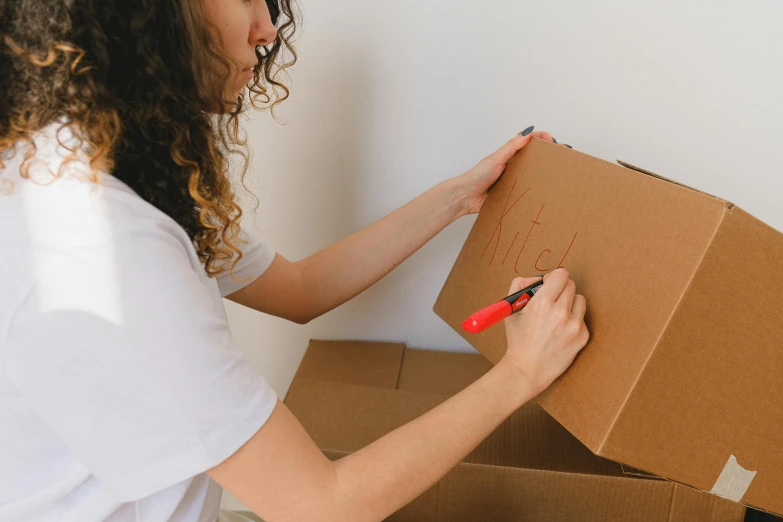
(543, 262)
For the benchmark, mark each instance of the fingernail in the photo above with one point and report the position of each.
(554, 140)
(567, 145)
(527, 131)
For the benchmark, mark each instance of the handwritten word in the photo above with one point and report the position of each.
(499, 227)
(541, 264)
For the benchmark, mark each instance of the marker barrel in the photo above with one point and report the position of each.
(496, 312)
(486, 317)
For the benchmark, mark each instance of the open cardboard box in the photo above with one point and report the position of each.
(348, 394)
(683, 376)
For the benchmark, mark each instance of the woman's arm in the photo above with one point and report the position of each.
(303, 290)
(306, 289)
(282, 475)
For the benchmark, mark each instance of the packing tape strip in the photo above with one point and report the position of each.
(733, 481)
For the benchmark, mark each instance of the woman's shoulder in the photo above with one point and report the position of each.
(50, 187)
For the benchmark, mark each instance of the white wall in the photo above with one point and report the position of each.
(390, 98)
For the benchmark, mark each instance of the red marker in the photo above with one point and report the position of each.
(495, 313)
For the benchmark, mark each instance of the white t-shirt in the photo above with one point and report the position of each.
(119, 382)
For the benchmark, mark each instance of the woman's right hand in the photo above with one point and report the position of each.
(544, 338)
(303, 484)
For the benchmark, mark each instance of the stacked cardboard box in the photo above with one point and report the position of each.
(348, 394)
(683, 376)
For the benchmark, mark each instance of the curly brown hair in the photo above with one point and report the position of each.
(134, 81)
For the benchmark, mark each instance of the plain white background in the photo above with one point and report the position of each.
(390, 98)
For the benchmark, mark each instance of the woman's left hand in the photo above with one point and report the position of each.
(475, 183)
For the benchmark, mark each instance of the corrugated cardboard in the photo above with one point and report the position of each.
(685, 307)
(530, 468)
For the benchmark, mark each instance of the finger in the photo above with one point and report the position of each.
(547, 275)
(502, 156)
(580, 307)
(554, 284)
(521, 282)
(511, 147)
(504, 153)
(566, 298)
(544, 136)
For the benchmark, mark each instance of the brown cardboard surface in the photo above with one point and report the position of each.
(434, 372)
(685, 303)
(530, 438)
(529, 466)
(691, 504)
(472, 492)
(355, 362)
(348, 417)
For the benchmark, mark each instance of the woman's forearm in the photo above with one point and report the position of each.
(384, 476)
(346, 268)
(282, 475)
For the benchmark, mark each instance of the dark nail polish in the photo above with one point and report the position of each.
(527, 131)
(554, 140)
(567, 145)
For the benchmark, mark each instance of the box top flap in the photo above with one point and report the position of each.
(475, 492)
(440, 372)
(347, 417)
(352, 362)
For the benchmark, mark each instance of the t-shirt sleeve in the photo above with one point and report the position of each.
(257, 256)
(131, 363)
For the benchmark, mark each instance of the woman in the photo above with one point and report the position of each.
(121, 394)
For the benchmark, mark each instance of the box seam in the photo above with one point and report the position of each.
(726, 210)
(665, 179)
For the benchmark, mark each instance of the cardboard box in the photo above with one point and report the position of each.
(348, 394)
(684, 370)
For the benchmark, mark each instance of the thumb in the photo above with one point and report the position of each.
(511, 147)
